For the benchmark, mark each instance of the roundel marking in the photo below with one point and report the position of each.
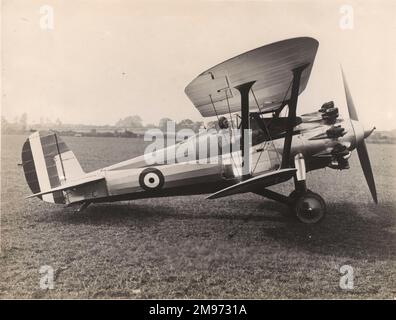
(151, 179)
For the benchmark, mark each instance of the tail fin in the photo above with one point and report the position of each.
(48, 163)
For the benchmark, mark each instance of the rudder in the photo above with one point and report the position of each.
(48, 163)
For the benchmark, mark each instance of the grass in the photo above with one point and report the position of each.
(243, 246)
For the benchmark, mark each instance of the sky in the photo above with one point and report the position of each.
(98, 61)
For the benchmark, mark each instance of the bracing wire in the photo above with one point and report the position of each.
(217, 116)
(232, 131)
(229, 109)
(214, 108)
(268, 133)
(266, 128)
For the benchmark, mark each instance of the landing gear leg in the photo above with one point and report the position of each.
(307, 206)
(300, 187)
(300, 184)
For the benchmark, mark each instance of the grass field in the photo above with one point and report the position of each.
(243, 246)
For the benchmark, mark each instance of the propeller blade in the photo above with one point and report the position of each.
(366, 166)
(350, 104)
(361, 146)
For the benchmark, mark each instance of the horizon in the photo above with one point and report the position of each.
(144, 125)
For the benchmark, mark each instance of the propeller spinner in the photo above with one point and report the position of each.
(360, 135)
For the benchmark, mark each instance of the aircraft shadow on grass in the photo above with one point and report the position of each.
(346, 232)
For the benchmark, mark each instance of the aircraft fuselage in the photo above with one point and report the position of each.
(179, 169)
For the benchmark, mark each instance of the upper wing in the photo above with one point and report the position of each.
(270, 66)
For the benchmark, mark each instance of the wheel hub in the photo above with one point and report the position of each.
(310, 208)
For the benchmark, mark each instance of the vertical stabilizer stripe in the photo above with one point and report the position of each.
(40, 165)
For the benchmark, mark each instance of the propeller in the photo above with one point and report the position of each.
(360, 144)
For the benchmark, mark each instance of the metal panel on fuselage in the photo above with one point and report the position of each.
(175, 176)
(123, 178)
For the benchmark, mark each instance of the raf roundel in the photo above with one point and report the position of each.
(151, 179)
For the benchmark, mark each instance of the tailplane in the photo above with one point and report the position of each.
(48, 163)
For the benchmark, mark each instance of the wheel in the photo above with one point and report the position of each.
(310, 208)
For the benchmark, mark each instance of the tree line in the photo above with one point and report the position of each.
(130, 123)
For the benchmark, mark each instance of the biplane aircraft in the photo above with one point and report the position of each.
(268, 143)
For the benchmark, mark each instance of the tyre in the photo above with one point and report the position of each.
(309, 208)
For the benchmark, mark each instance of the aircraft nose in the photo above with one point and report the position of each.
(360, 131)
